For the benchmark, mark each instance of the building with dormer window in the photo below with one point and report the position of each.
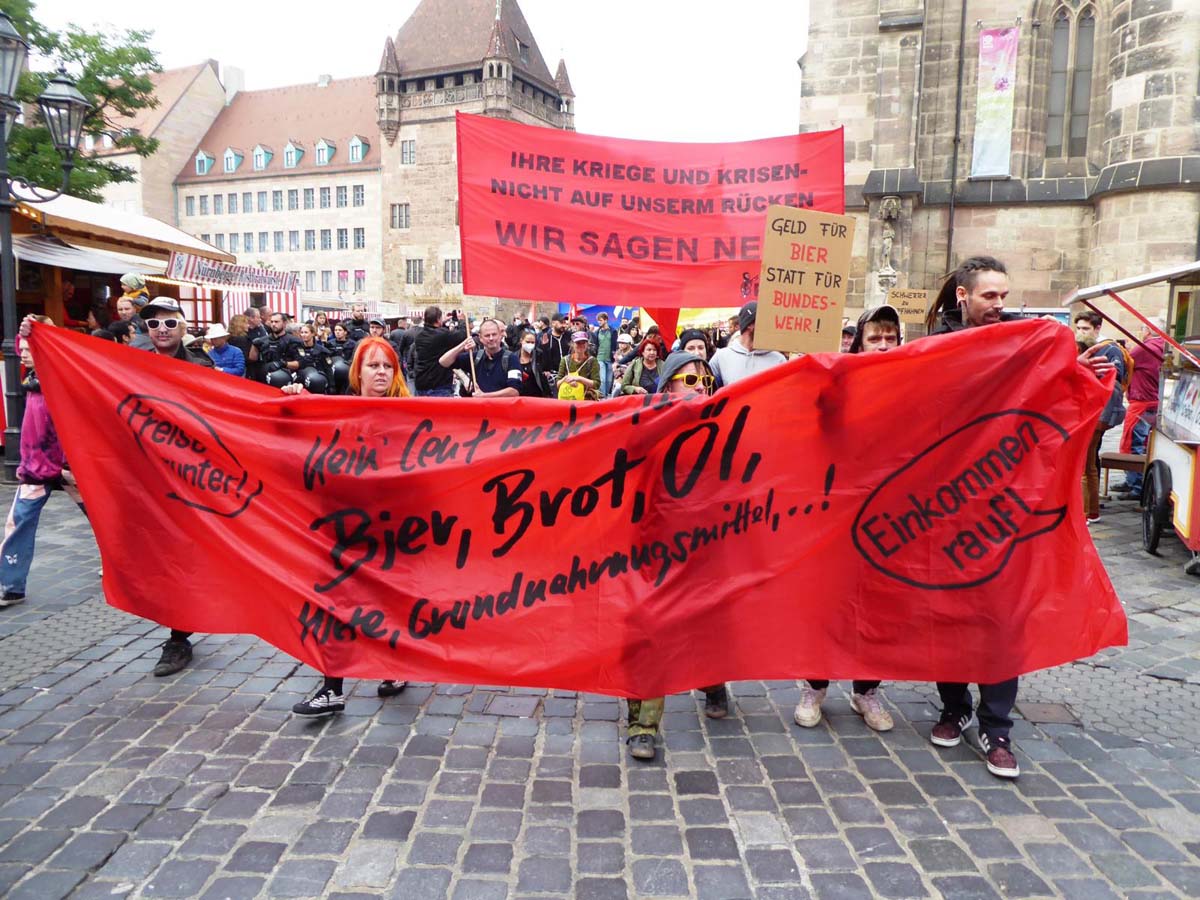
(301, 204)
(188, 100)
(352, 184)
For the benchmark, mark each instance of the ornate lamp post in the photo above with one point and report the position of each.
(63, 110)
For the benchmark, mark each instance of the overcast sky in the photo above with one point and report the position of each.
(675, 70)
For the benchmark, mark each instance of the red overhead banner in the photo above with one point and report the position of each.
(554, 215)
(821, 519)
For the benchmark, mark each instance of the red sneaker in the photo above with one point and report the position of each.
(1000, 759)
(948, 731)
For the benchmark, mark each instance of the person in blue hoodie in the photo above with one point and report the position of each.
(226, 357)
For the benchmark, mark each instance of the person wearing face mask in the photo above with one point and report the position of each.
(524, 370)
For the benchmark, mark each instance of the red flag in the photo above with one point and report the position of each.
(821, 519)
(557, 215)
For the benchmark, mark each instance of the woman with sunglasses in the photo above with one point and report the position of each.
(374, 372)
(683, 374)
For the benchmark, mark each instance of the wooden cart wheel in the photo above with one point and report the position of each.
(1156, 504)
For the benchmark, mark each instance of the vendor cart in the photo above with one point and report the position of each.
(1171, 482)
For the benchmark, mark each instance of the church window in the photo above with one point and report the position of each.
(1072, 57)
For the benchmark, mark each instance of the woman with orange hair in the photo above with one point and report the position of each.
(374, 372)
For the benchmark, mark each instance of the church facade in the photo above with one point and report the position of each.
(1094, 167)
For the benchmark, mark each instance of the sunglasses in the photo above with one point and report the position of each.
(691, 379)
(163, 323)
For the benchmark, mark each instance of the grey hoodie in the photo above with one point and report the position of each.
(734, 362)
(673, 364)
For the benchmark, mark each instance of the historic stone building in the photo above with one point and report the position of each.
(352, 183)
(189, 99)
(1103, 174)
(289, 178)
(474, 56)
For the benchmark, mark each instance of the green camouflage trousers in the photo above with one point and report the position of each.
(644, 715)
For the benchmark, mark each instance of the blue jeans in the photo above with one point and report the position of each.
(16, 554)
(605, 379)
(1141, 437)
(437, 392)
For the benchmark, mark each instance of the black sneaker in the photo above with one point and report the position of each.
(11, 598)
(948, 731)
(641, 746)
(175, 656)
(716, 702)
(390, 688)
(323, 703)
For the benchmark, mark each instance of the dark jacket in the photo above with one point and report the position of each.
(951, 321)
(191, 356)
(430, 344)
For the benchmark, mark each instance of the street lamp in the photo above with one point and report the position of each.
(63, 110)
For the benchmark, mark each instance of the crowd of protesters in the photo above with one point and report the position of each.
(442, 355)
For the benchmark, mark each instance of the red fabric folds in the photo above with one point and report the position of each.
(908, 515)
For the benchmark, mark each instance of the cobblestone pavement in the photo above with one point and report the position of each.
(117, 784)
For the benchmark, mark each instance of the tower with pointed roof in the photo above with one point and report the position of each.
(387, 92)
(471, 56)
(567, 106)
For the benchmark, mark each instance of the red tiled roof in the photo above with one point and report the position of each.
(444, 35)
(169, 86)
(303, 114)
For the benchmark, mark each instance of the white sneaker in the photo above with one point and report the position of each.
(808, 710)
(870, 707)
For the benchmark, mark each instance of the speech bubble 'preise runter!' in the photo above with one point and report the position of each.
(953, 516)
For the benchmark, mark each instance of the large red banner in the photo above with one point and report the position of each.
(910, 515)
(554, 215)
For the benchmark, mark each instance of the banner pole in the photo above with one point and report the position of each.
(471, 357)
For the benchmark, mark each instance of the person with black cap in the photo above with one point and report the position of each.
(694, 341)
(376, 326)
(848, 332)
(739, 358)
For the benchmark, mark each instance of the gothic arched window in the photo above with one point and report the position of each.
(1072, 53)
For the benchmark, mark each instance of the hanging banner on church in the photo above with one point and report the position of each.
(547, 214)
(994, 102)
(802, 522)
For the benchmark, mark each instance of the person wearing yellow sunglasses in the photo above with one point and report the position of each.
(680, 373)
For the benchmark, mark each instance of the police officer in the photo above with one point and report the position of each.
(314, 358)
(278, 352)
(357, 325)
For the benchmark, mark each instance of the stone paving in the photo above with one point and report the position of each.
(117, 784)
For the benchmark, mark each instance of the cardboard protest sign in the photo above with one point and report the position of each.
(555, 215)
(635, 546)
(803, 282)
(911, 304)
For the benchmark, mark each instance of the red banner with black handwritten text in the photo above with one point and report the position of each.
(906, 515)
(554, 215)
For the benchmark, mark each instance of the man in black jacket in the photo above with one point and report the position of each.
(431, 377)
(973, 297)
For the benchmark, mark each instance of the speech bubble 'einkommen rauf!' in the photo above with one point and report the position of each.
(199, 470)
(954, 515)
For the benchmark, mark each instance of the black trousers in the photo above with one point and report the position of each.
(860, 687)
(995, 704)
